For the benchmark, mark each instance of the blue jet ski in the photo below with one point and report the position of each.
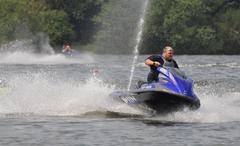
(173, 92)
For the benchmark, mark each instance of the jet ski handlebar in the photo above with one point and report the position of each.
(167, 70)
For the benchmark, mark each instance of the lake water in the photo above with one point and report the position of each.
(53, 100)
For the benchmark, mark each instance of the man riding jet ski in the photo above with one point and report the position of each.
(167, 89)
(166, 60)
(67, 51)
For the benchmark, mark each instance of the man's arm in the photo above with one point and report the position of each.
(152, 61)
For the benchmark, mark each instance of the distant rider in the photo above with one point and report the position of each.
(165, 60)
(67, 49)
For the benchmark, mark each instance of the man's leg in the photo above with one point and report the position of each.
(152, 76)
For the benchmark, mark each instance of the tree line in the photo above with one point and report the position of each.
(62, 20)
(190, 26)
(193, 26)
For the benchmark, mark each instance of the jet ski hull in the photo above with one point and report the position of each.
(157, 101)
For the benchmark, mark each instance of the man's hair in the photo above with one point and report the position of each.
(167, 48)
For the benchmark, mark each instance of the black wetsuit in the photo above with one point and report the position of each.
(153, 74)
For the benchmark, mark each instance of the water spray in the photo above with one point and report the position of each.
(138, 40)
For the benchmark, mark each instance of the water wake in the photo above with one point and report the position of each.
(39, 94)
(214, 108)
(30, 58)
(38, 51)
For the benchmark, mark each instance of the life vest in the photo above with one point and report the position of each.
(168, 63)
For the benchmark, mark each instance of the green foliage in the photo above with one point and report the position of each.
(61, 20)
(81, 14)
(119, 21)
(190, 26)
(21, 17)
(193, 26)
(11, 16)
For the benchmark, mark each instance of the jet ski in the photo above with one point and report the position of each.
(71, 54)
(173, 92)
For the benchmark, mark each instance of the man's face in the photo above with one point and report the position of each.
(168, 54)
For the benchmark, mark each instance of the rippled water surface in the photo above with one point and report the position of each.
(54, 100)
